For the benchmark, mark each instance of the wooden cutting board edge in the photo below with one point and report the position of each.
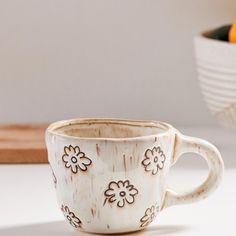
(28, 156)
(19, 154)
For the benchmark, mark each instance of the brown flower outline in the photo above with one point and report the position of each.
(70, 216)
(120, 192)
(149, 216)
(75, 159)
(154, 160)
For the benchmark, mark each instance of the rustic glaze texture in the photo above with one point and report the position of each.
(111, 174)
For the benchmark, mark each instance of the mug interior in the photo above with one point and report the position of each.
(107, 128)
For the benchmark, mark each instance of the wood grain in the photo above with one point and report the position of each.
(22, 144)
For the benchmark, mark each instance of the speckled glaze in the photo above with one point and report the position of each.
(110, 174)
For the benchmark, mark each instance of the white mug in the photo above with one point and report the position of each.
(110, 174)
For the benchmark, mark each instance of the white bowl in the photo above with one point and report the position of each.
(216, 66)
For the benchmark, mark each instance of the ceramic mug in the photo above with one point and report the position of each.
(110, 174)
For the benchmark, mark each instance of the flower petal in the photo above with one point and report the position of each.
(85, 160)
(130, 187)
(126, 183)
(77, 220)
(149, 153)
(68, 164)
(149, 167)
(156, 151)
(162, 158)
(155, 169)
(72, 215)
(66, 208)
(109, 192)
(146, 223)
(74, 169)
(82, 167)
(121, 202)
(66, 150)
(80, 154)
(112, 199)
(71, 148)
(133, 191)
(83, 163)
(65, 158)
(148, 212)
(120, 184)
(129, 198)
(113, 185)
(160, 165)
(143, 224)
(77, 149)
(146, 161)
(73, 224)
(144, 218)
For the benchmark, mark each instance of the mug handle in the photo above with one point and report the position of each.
(210, 153)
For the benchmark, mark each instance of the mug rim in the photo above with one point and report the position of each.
(51, 129)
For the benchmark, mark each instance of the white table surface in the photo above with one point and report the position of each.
(28, 202)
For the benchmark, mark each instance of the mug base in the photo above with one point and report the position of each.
(109, 232)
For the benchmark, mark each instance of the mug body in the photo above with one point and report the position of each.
(110, 175)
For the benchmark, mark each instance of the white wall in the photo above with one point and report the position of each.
(103, 58)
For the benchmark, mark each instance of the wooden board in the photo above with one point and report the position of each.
(22, 144)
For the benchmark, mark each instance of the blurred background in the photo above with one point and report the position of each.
(107, 58)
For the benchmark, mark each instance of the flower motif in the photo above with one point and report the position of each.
(120, 192)
(149, 215)
(75, 159)
(154, 160)
(70, 216)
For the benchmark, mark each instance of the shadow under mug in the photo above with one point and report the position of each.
(110, 174)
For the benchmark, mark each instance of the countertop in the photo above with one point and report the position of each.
(28, 202)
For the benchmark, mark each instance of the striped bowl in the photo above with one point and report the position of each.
(216, 66)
